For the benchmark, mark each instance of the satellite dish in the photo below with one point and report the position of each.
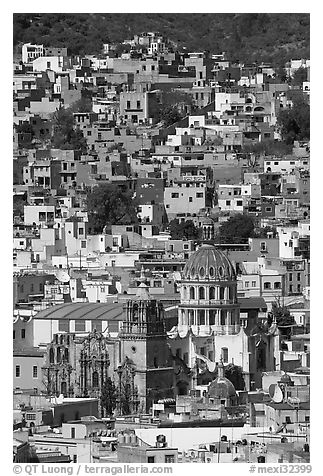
(62, 276)
(278, 395)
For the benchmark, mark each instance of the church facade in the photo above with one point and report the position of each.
(146, 363)
(209, 328)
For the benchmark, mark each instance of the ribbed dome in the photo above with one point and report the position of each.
(286, 378)
(221, 387)
(209, 263)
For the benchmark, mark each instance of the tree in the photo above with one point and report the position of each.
(266, 147)
(64, 135)
(25, 128)
(109, 396)
(283, 317)
(109, 205)
(234, 374)
(82, 105)
(294, 123)
(183, 231)
(174, 107)
(299, 76)
(237, 229)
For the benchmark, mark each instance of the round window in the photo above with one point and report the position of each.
(202, 272)
(211, 271)
(221, 271)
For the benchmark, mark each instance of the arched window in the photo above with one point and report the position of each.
(66, 355)
(201, 293)
(211, 317)
(221, 293)
(277, 285)
(64, 388)
(95, 379)
(212, 292)
(267, 285)
(58, 354)
(135, 312)
(201, 315)
(222, 317)
(61, 339)
(191, 317)
(51, 355)
(155, 362)
(230, 293)
(192, 293)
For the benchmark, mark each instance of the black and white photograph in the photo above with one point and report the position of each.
(161, 241)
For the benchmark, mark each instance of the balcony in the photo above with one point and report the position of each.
(207, 302)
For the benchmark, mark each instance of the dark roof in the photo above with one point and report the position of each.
(287, 406)
(88, 311)
(28, 352)
(252, 303)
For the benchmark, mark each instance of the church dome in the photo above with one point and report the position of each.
(286, 379)
(208, 262)
(221, 387)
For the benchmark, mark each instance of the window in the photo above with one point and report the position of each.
(79, 326)
(17, 370)
(201, 314)
(192, 293)
(128, 104)
(169, 459)
(212, 293)
(290, 276)
(199, 195)
(287, 419)
(228, 203)
(95, 379)
(14, 334)
(239, 203)
(30, 416)
(225, 354)
(298, 276)
(97, 324)
(150, 459)
(179, 352)
(190, 199)
(290, 288)
(83, 244)
(277, 285)
(175, 195)
(185, 357)
(211, 317)
(138, 104)
(267, 285)
(201, 293)
(23, 333)
(73, 432)
(253, 284)
(81, 231)
(246, 284)
(63, 325)
(221, 293)
(35, 371)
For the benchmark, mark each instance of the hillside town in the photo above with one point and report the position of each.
(161, 256)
